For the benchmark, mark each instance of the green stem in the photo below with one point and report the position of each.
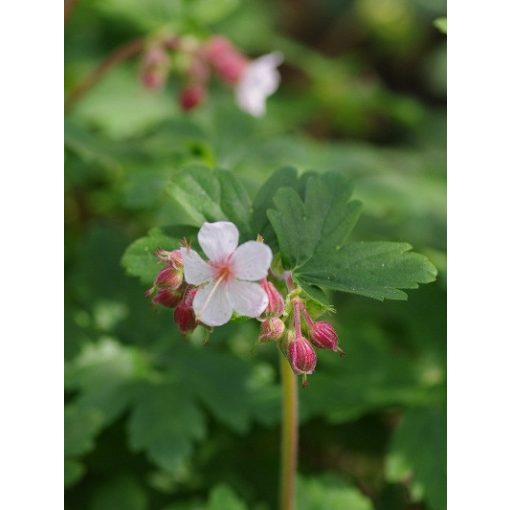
(289, 439)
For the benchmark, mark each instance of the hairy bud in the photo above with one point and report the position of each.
(167, 297)
(276, 304)
(154, 68)
(271, 329)
(301, 356)
(224, 58)
(184, 315)
(170, 258)
(323, 335)
(191, 96)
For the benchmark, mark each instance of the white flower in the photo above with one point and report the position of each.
(259, 80)
(227, 280)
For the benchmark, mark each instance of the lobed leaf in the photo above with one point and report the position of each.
(372, 269)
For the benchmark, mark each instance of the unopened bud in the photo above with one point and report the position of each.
(170, 258)
(154, 68)
(170, 278)
(184, 315)
(224, 58)
(301, 356)
(323, 335)
(271, 329)
(191, 96)
(276, 304)
(167, 297)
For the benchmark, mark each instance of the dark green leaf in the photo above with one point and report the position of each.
(373, 269)
(425, 465)
(165, 422)
(321, 223)
(284, 177)
(73, 471)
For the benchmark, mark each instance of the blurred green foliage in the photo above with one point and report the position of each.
(155, 421)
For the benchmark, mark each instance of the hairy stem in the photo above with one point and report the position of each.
(115, 57)
(289, 439)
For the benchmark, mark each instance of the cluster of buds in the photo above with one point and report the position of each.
(298, 348)
(170, 290)
(252, 80)
(235, 282)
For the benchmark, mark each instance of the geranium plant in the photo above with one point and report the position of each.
(273, 259)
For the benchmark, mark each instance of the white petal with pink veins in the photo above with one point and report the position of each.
(247, 298)
(196, 271)
(251, 261)
(218, 240)
(212, 305)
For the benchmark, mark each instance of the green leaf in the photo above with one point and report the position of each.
(165, 422)
(320, 223)
(441, 25)
(235, 202)
(139, 259)
(373, 269)
(222, 382)
(408, 457)
(211, 195)
(104, 374)
(121, 492)
(73, 471)
(329, 494)
(284, 177)
(223, 497)
(81, 426)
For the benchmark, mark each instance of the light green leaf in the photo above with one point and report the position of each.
(425, 465)
(320, 223)
(211, 195)
(198, 190)
(165, 422)
(104, 374)
(81, 426)
(441, 25)
(223, 497)
(140, 260)
(328, 495)
(235, 202)
(373, 269)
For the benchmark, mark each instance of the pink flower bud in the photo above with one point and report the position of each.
(228, 63)
(301, 355)
(169, 277)
(170, 258)
(154, 68)
(271, 329)
(191, 96)
(167, 297)
(276, 304)
(323, 335)
(184, 315)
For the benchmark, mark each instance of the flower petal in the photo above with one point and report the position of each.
(196, 271)
(259, 80)
(247, 298)
(251, 261)
(218, 240)
(211, 305)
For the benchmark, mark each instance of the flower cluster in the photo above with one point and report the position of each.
(234, 281)
(252, 80)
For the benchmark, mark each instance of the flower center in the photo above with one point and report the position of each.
(223, 271)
